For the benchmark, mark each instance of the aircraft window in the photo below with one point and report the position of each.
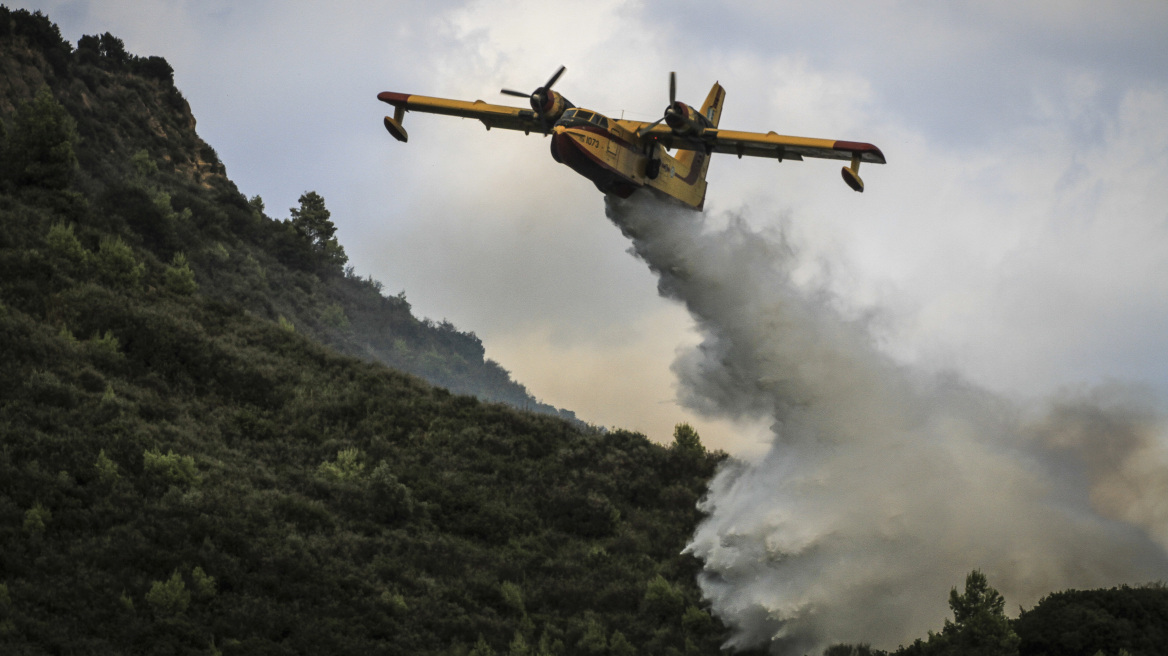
(580, 116)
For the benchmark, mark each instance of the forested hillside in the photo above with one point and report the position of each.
(192, 462)
(1122, 621)
(150, 180)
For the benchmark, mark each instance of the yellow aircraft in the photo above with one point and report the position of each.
(622, 156)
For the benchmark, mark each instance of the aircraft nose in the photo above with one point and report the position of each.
(560, 141)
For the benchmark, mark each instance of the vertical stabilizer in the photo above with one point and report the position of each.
(692, 164)
(712, 108)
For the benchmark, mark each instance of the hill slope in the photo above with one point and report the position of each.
(160, 187)
(190, 462)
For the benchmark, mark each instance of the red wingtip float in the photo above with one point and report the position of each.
(621, 156)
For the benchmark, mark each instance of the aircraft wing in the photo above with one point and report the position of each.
(493, 116)
(757, 144)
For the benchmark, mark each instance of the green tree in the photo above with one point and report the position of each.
(519, 646)
(594, 640)
(89, 49)
(107, 470)
(144, 165)
(347, 466)
(391, 499)
(334, 315)
(172, 468)
(256, 203)
(41, 147)
(512, 596)
(116, 263)
(687, 441)
(113, 49)
(662, 600)
(1086, 621)
(63, 242)
(170, 597)
(312, 221)
(482, 648)
(979, 626)
(619, 645)
(36, 518)
(203, 583)
(178, 277)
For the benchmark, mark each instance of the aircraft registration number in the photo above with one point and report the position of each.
(591, 141)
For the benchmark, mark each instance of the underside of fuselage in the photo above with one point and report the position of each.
(580, 150)
(618, 165)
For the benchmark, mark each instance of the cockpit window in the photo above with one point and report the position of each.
(576, 117)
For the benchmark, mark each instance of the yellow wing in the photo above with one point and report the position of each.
(757, 144)
(493, 116)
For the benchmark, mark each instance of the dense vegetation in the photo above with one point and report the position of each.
(150, 180)
(191, 464)
(1122, 621)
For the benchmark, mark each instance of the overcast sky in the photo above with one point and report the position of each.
(1018, 234)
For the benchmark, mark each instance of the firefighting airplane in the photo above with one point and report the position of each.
(622, 156)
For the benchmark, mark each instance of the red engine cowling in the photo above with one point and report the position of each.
(549, 105)
(679, 118)
(684, 120)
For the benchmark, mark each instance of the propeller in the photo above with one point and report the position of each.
(668, 110)
(538, 98)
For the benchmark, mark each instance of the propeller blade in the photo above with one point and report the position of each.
(647, 128)
(555, 77)
(672, 87)
(520, 94)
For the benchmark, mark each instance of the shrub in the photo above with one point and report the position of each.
(117, 265)
(64, 243)
(172, 467)
(347, 466)
(203, 583)
(391, 499)
(106, 343)
(169, 597)
(662, 600)
(41, 147)
(334, 315)
(107, 470)
(178, 277)
(36, 518)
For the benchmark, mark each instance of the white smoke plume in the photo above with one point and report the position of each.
(884, 485)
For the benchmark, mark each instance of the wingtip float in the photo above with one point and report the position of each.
(621, 156)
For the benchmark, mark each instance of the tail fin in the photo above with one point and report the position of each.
(692, 164)
(712, 108)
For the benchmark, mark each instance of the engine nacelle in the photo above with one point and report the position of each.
(552, 107)
(684, 120)
(679, 118)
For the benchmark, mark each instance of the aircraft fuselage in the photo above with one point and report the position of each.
(606, 152)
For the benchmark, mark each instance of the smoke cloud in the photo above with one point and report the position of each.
(884, 484)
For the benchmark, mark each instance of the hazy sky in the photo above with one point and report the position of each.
(1018, 235)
